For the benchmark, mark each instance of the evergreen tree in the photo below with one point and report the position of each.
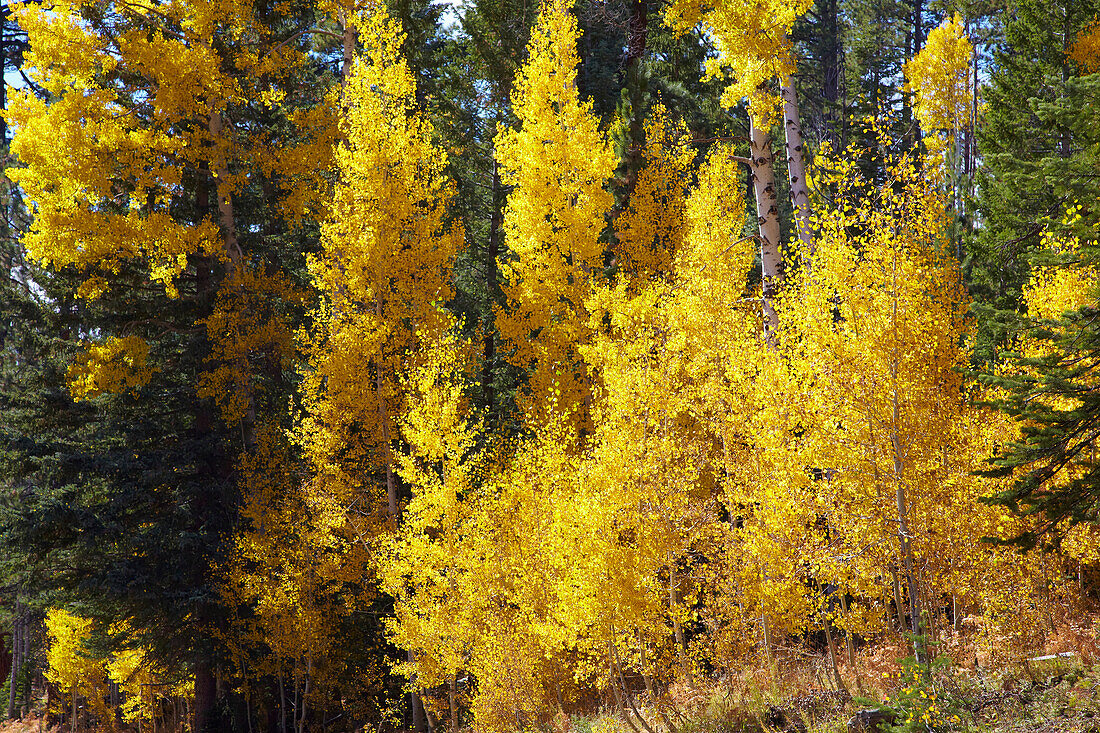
(166, 221)
(1048, 386)
(1037, 147)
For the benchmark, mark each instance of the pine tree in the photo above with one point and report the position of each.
(1047, 389)
(167, 211)
(1035, 145)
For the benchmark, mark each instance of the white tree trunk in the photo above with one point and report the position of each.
(349, 47)
(796, 164)
(767, 208)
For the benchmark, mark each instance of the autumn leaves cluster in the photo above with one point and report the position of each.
(684, 481)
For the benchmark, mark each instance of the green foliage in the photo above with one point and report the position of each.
(23, 679)
(924, 699)
(1038, 143)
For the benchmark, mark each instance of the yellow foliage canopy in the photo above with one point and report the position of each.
(753, 40)
(558, 162)
(116, 365)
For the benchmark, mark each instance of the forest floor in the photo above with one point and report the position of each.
(1055, 689)
(1059, 697)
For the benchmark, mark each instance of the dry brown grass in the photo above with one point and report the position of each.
(30, 724)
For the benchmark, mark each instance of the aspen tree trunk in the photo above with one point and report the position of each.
(897, 600)
(830, 640)
(452, 693)
(618, 667)
(305, 693)
(905, 544)
(973, 124)
(767, 210)
(904, 535)
(619, 703)
(851, 645)
(282, 704)
(384, 419)
(348, 47)
(677, 632)
(763, 178)
(767, 640)
(796, 163)
(419, 715)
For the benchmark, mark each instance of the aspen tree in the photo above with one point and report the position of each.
(881, 320)
(68, 665)
(668, 397)
(559, 163)
(383, 275)
(939, 79)
(1086, 49)
(753, 44)
(539, 571)
(649, 231)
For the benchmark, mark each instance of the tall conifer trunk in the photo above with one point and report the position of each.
(832, 74)
(236, 264)
(492, 251)
(18, 628)
(204, 687)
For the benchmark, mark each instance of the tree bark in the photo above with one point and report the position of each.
(349, 37)
(851, 646)
(677, 632)
(830, 640)
(418, 717)
(796, 163)
(452, 702)
(16, 662)
(235, 257)
(904, 535)
(205, 692)
(767, 211)
(384, 420)
(491, 285)
(832, 74)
